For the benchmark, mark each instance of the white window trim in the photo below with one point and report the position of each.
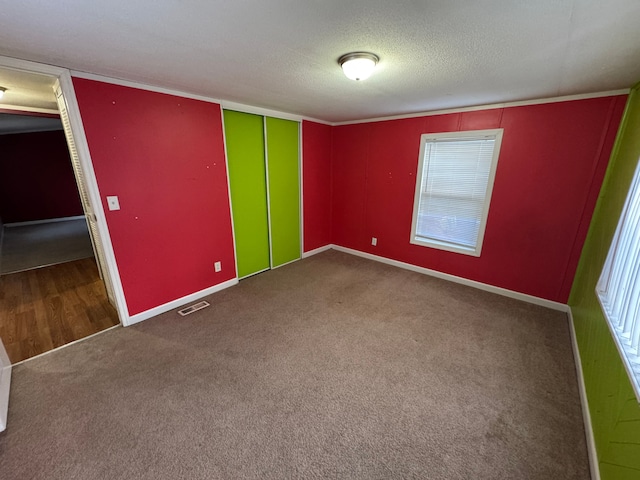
(470, 135)
(630, 359)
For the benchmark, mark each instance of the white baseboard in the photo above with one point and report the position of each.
(5, 384)
(139, 317)
(315, 251)
(48, 220)
(464, 281)
(586, 414)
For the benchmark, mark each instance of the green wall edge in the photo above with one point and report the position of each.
(613, 407)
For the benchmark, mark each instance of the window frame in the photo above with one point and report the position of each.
(471, 135)
(607, 301)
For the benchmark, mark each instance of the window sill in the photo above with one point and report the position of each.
(449, 247)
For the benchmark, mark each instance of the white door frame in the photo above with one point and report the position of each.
(64, 77)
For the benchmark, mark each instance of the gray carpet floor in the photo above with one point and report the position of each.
(331, 367)
(31, 246)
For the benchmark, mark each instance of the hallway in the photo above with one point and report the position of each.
(51, 293)
(45, 308)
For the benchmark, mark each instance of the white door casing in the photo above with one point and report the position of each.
(96, 215)
(5, 384)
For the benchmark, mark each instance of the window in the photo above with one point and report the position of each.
(618, 289)
(453, 189)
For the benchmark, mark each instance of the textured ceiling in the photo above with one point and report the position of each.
(27, 91)
(281, 54)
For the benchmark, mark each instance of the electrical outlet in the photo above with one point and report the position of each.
(217, 266)
(374, 241)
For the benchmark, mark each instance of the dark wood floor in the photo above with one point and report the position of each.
(47, 307)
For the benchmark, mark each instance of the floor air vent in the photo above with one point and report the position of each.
(193, 308)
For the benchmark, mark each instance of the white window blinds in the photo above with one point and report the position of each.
(454, 189)
(619, 286)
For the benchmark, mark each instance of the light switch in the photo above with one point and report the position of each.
(374, 241)
(113, 203)
(217, 266)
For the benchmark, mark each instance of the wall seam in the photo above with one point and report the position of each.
(583, 214)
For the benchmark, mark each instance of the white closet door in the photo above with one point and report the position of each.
(92, 223)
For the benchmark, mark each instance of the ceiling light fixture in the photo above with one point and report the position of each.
(2, 90)
(358, 65)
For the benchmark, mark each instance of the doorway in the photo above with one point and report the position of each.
(55, 286)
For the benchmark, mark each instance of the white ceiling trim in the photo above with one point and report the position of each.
(141, 86)
(240, 107)
(33, 67)
(521, 103)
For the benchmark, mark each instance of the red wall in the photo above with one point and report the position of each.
(36, 178)
(550, 169)
(163, 156)
(316, 155)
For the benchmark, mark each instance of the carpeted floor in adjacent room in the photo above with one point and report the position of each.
(25, 247)
(331, 367)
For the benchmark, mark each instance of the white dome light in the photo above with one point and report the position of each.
(358, 65)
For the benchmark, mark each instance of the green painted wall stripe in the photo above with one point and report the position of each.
(284, 189)
(614, 410)
(244, 135)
